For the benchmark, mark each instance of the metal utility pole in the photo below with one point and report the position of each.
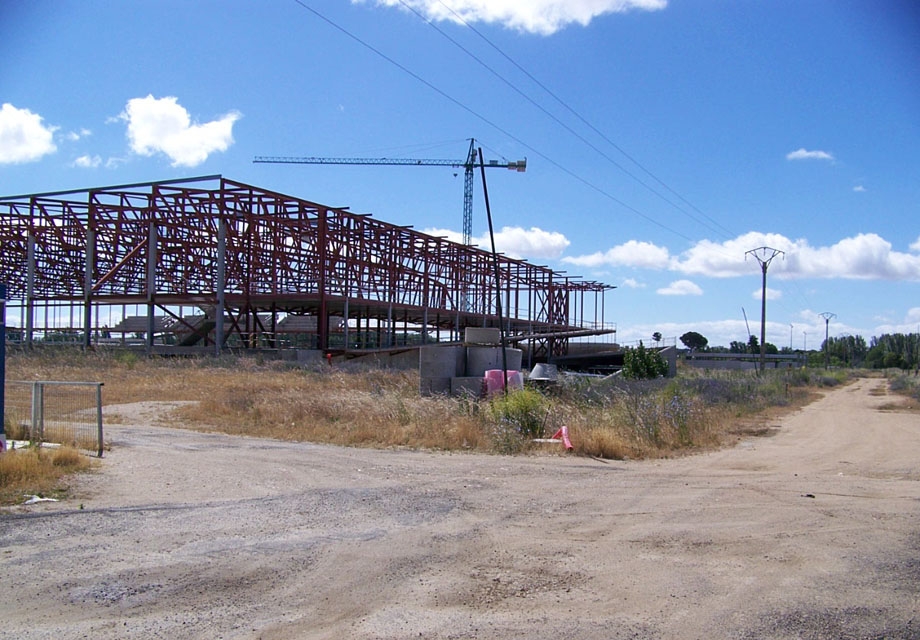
(764, 256)
(498, 281)
(827, 315)
(468, 165)
(2, 366)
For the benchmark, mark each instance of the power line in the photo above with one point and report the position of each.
(556, 119)
(489, 122)
(584, 121)
(527, 146)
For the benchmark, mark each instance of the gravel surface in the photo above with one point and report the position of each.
(811, 533)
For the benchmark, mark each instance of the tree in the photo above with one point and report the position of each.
(894, 350)
(694, 341)
(641, 363)
(736, 346)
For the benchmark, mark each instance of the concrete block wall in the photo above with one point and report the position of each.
(459, 370)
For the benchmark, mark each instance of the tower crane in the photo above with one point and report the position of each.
(468, 165)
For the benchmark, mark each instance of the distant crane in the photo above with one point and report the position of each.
(468, 165)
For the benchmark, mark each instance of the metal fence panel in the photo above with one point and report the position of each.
(68, 413)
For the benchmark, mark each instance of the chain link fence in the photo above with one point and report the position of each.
(67, 413)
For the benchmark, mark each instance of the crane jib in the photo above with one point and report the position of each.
(516, 165)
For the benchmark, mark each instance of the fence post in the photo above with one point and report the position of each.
(99, 415)
(37, 432)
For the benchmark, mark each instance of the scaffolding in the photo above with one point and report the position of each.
(213, 262)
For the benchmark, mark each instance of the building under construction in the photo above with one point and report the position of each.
(213, 263)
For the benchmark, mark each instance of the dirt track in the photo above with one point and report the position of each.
(811, 533)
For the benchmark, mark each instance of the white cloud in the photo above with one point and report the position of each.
(637, 254)
(804, 154)
(859, 189)
(23, 137)
(866, 256)
(518, 242)
(632, 283)
(73, 136)
(772, 294)
(680, 288)
(87, 162)
(515, 242)
(910, 324)
(543, 17)
(163, 125)
(453, 236)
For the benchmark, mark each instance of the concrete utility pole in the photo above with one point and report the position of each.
(764, 256)
(827, 315)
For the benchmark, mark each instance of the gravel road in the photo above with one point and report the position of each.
(811, 533)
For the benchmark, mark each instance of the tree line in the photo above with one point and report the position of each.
(889, 351)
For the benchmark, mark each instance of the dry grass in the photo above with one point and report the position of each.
(383, 408)
(39, 472)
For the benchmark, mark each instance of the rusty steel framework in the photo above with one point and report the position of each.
(245, 257)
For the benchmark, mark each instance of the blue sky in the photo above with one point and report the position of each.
(664, 139)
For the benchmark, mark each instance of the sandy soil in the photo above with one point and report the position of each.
(813, 532)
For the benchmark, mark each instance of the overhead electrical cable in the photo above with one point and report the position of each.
(722, 230)
(583, 120)
(564, 125)
(538, 153)
(496, 126)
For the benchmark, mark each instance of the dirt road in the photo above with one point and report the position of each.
(813, 532)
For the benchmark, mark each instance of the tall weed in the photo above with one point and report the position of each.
(607, 417)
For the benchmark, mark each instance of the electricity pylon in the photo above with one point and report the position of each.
(761, 255)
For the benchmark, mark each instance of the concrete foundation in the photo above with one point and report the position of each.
(441, 362)
(481, 359)
(435, 386)
(482, 336)
(466, 386)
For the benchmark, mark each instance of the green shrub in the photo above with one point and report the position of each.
(641, 364)
(516, 418)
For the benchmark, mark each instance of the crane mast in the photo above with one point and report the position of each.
(468, 165)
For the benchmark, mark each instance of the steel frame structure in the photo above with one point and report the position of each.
(247, 256)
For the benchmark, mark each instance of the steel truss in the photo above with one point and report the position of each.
(245, 257)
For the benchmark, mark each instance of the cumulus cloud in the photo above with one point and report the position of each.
(632, 283)
(772, 294)
(804, 154)
(518, 242)
(543, 17)
(23, 136)
(637, 254)
(515, 242)
(866, 256)
(859, 189)
(162, 125)
(87, 162)
(680, 288)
